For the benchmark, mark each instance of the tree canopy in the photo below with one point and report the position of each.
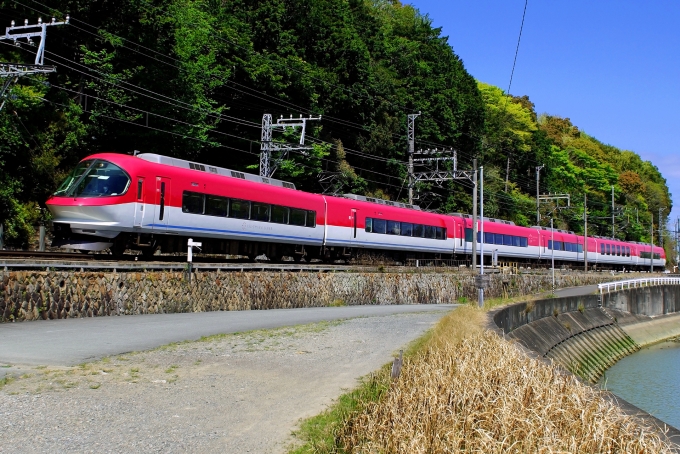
(193, 78)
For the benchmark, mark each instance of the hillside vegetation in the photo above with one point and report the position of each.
(192, 79)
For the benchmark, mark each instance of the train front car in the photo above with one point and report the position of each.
(94, 203)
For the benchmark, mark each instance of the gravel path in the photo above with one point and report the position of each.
(233, 393)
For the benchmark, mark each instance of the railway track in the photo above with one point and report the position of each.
(24, 260)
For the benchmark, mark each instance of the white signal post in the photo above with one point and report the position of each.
(191, 244)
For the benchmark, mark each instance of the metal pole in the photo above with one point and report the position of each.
(411, 149)
(552, 239)
(661, 227)
(481, 245)
(42, 239)
(585, 233)
(538, 180)
(474, 218)
(265, 145)
(613, 232)
(651, 246)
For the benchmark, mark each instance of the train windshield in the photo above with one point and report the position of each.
(94, 178)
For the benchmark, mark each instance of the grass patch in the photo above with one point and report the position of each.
(6, 380)
(338, 303)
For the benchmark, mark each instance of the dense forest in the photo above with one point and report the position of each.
(193, 78)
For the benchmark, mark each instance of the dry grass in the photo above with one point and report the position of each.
(470, 391)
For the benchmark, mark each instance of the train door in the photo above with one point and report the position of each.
(139, 204)
(162, 211)
(353, 226)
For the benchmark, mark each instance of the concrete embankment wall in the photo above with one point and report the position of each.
(28, 295)
(586, 338)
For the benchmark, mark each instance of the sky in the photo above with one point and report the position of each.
(612, 67)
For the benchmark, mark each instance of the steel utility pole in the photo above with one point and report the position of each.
(474, 217)
(267, 145)
(481, 243)
(677, 241)
(411, 150)
(651, 246)
(613, 233)
(661, 227)
(12, 71)
(538, 181)
(552, 250)
(585, 232)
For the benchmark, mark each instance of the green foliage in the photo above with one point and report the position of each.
(192, 78)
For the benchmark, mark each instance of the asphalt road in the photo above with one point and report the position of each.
(74, 341)
(576, 291)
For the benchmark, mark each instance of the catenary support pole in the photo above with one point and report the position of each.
(481, 243)
(474, 217)
(651, 246)
(613, 231)
(552, 250)
(585, 232)
(411, 150)
(538, 181)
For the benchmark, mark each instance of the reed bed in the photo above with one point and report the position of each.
(468, 390)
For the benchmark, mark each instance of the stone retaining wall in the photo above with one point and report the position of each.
(29, 295)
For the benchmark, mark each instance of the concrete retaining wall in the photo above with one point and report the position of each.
(586, 338)
(28, 295)
(650, 301)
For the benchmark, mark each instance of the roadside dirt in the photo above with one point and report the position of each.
(234, 393)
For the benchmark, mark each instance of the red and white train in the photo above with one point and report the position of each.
(149, 202)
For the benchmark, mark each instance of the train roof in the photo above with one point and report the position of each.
(181, 163)
(381, 201)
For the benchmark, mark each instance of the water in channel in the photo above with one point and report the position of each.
(650, 380)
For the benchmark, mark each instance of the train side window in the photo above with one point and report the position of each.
(393, 227)
(369, 225)
(618, 250)
(602, 249)
(507, 240)
(515, 241)
(523, 241)
(489, 238)
(419, 231)
(440, 233)
(239, 209)
(192, 202)
(406, 229)
(280, 214)
(216, 206)
(627, 251)
(260, 212)
(549, 244)
(567, 247)
(298, 217)
(498, 238)
(311, 219)
(379, 226)
(580, 248)
(468, 235)
(608, 249)
(140, 185)
(429, 232)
